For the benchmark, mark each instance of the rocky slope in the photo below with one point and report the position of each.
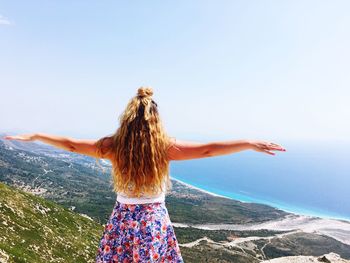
(37, 230)
(327, 258)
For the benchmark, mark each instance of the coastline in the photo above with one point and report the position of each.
(199, 189)
(289, 209)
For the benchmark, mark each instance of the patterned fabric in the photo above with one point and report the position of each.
(139, 233)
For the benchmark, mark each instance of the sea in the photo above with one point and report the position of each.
(310, 178)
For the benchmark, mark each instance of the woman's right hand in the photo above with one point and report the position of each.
(22, 137)
(265, 146)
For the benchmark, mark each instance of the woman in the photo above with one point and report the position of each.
(139, 228)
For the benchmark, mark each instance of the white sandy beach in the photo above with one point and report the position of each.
(337, 229)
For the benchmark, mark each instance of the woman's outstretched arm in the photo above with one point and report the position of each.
(54, 140)
(184, 150)
(81, 146)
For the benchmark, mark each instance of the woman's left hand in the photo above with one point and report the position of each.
(265, 146)
(23, 137)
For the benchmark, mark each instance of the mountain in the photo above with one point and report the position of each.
(209, 228)
(37, 230)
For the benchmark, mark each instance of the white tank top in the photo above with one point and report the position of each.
(143, 199)
(140, 200)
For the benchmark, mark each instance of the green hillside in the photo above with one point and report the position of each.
(37, 230)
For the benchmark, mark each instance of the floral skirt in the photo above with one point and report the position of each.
(139, 233)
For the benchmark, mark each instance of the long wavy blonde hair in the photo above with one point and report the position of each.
(140, 163)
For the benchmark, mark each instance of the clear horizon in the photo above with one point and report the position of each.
(226, 70)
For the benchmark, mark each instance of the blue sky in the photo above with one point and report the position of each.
(274, 70)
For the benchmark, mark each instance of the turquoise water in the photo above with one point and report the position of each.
(309, 179)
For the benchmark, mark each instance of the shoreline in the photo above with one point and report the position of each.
(297, 212)
(200, 189)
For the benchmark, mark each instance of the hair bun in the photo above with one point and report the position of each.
(144, 92)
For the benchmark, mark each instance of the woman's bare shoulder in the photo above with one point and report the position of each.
(107, 147)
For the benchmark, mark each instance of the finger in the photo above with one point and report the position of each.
(280, 146)
(268, 152)
(275, 148)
